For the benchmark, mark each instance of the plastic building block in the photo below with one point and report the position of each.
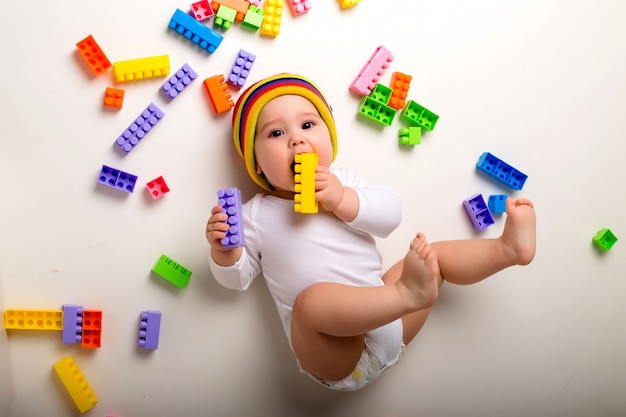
(75, 384)
(219, 95)
(202, 10)
(400, 84)
(376, 111)
(139, 128)
(409, 136)
(304, 179)
(257, 3)
(497, 169)
(113, 98)
(72, 324)
(604, 239)
(92, 328)
(381, 93)
(168, 269)
(203, 36)
(230, 200)
(117, 179)
(178, 82)
(241, 69)
(497, 203)
(348, 3)
(239, 6)
(478, 212)
(157, 187)
(149, 328)
(93, 55)
(418, 115)
(224, 17)
(254, 18)
(33, 319)
(371, 71)
(272, 18)
(141, 68)
(299, 7)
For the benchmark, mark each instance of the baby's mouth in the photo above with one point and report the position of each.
(293, 167)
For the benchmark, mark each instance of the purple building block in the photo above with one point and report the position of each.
(72, 323)
(137, 130)
(149, 328)
(497, 203)
(241, 69)
(230, 200)
(178, 82)
(478, 212)
(117, 179)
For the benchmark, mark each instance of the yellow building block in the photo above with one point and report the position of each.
(272, 18)
(348, 3)
(305, 183)
(138, 69)
(75, 383)
(33, 319)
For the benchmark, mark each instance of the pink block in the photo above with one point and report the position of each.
(371, 71)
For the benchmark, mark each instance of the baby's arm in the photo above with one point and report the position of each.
(334, 196)
(215, 231)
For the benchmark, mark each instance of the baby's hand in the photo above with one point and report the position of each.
(328, 189)
(216, 228)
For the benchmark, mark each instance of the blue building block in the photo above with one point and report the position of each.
(139, 128)
(117, 179)
(149, 329)
(178, 82)
(202, 35)
(497, 203)
(72, 324)
(241, 68)
(497, 169)
(478, 212)
(230, 200)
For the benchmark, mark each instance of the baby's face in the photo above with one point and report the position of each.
(289, 125)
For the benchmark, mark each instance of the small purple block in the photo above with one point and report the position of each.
(72, 323)
(149, 328)
(241, 69)
(178, 82)
(117, 179)
(137, 130)
(478, 212)
(230, 200)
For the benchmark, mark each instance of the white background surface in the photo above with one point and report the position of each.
(539, 83)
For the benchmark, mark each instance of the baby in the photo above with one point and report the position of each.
(345, 319)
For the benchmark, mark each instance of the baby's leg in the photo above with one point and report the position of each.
(470, 261)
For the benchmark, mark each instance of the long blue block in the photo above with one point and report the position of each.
(198, 33)
(499, 170)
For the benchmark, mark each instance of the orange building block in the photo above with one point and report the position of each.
(240, 6)
(113, 98)
(93, 55)
(218, 92)
(400, 84)
(92, 328)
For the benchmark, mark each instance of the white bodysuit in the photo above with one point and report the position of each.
(295, 250)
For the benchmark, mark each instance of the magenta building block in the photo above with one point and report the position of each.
(72, 323)
(178, 82)
(149, 329)
(137, 130)
(241, 69)
(117, 179)
(230, 200)
(478, 212)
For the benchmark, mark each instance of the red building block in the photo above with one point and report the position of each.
(202, 10)
(92, 328)
(157, 187)
(93, 55)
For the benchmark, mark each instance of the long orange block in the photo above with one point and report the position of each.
(217, 90)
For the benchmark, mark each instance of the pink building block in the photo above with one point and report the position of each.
(202, 10)
(299, 7)
(371, 71)
(157, 188)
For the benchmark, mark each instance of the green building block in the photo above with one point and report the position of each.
(604, 239)
(378, 112)
(410, 135)
(253, 18)
(418, 115)
(171, 271)
(381, 93)
(224, 17)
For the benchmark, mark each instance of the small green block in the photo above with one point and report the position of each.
(224, 17)
(604, 239)
(410, 136)
(253, 18)
(171, 271)
(377, 112)
(418, 115)
(381, 93)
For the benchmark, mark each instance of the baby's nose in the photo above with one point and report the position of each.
(296, 140)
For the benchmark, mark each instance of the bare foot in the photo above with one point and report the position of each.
(519, 235)
(420, 270)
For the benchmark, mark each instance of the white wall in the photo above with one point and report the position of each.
(539, 83)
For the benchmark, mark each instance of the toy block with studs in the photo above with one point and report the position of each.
(139, 128)
(230, 200)
(497, 169)
(400, 84)
(371, 72)
(253, 18)
(239, 6)
(72, 324)
(604, 239)
(157, 188)
(376, 111)
(171, 271)
(410, 136)
(417, 115)
(224, 17)
(92, 328)
(142, 68)
(478, 212)
(117, 179)
(93, 55)
(188, 27)
(272, 18)
(348, 3)
(304, 179)
(241, 69)
(33, 319)
(113, 98)
(497, 203)
(178, 82)
(299, 7)
(149, 329)
(202, 10)
(75, 384)
(219, 95)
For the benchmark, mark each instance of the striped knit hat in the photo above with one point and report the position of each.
(252, 100)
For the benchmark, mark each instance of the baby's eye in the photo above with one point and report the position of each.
(276, 133)
(307, 125)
